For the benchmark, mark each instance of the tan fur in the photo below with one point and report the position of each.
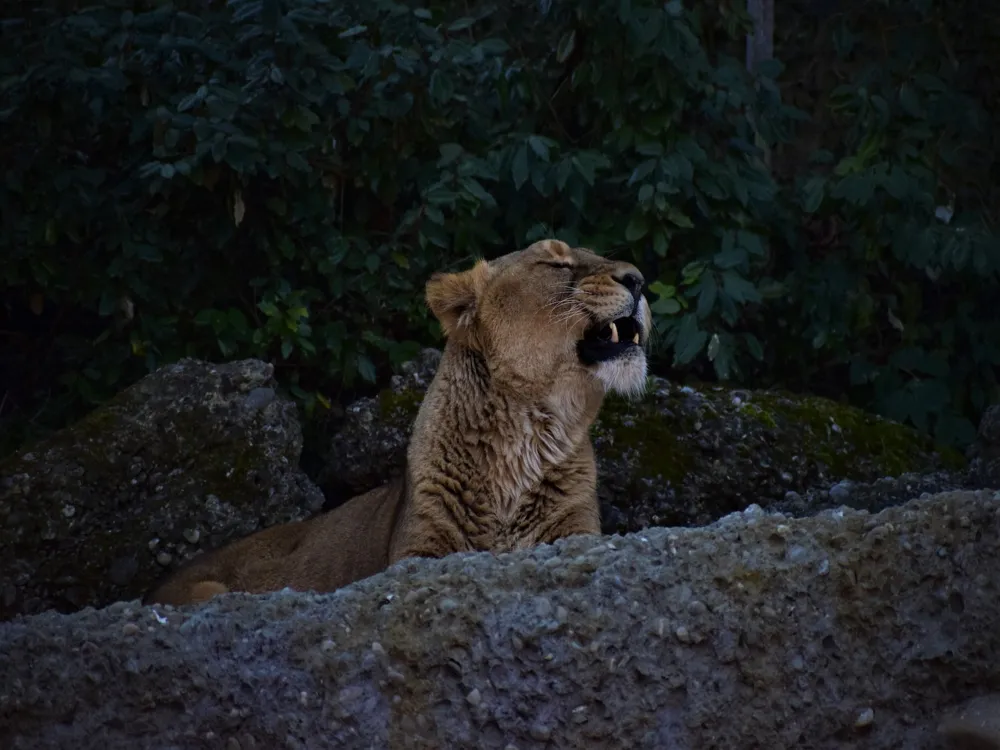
(500, 457)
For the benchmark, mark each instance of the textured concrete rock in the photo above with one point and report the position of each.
(685, 456)
(842, 631)
(370, 444)
(974, 725)
(984, 454)
(989, 426)
(191, 456)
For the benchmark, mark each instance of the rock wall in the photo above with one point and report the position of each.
(197, 454)
(189, 457)
(842, 631)
(684, 456)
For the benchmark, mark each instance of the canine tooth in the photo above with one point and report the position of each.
(635, 339)
(614, 333)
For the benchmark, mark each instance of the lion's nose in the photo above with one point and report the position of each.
(631, 280)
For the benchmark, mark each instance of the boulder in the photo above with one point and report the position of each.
(984, 465)
(845, 630)
(189, 457)
(685, 456)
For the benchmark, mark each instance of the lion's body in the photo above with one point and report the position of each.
(500, 457)
(355, 537)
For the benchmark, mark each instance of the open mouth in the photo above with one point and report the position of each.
(606, 341)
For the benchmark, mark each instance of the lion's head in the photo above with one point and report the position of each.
(549, 312)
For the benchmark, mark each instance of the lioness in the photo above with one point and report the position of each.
(500, 456)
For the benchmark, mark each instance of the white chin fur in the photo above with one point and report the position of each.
(625, 375)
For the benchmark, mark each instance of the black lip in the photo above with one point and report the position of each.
(596, 345)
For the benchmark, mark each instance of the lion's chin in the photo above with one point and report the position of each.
(625, 374)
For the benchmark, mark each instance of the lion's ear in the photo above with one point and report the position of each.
(453, 297)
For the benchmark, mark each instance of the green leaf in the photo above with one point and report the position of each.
(661, 242)
(205, 317)
(585, 167)
(679, 167)
(739, 288)
(148, 253)
(107, 303)
(754, 347)
(811, 195)
(855, 188)
(751, 242)
(192, 100)
(295, 161)
(434, 214)
(953, 429)
(449, 153)
(679, 218)
(723, 362)
(305, 119)
(730, 257)
(898, 183)
(649, 148)
(707, 290)
(665, 307)
(441, 88)
(567, 43)
(690, 340)
(642, 171)
(519, 167)
(771, 289)
(237, 321)
(286, 348)
(769, 68)
(714, 344)
(474, 188)
(366, 368)
(692, 272)
(638, 227)
(910, 102)
(563, 172)
(691, 150)
(848, 165)
(353, 31)
(493, 47)
(662, 290)
(539, 146)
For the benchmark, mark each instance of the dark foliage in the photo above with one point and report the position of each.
(277, 178)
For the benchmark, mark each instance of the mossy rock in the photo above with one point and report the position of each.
(688, 455)
(187, 458)
(369, 447)
(681, 456)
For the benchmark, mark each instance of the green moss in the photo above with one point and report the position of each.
(660, 432)
(639, 428)
(400, 406)
(764, 416)
(225, 467)
(663, 435)
(852, 443)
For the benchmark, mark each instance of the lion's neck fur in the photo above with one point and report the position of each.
(505, 439)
